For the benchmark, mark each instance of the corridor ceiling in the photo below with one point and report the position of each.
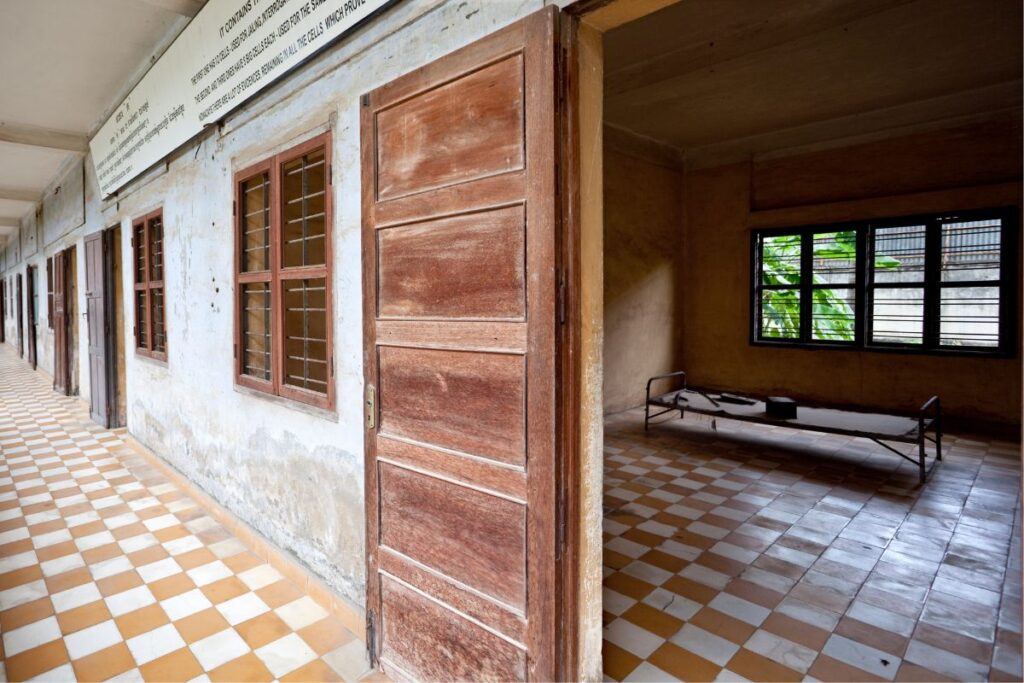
(64, 66)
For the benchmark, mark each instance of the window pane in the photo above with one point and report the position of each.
(156, 242)
(303, 190)
(159, 341)
(780, 260)
(899, 254)
(897, 315)
(780, 314)
(256, 345)
(141, 322)
(139, 238)
(255, 224)
(832, 314)
(971, 251)
(835, 258)
(969, 316)
(305, 334)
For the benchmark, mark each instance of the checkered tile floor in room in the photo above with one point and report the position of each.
(108, 571)
(768, 554)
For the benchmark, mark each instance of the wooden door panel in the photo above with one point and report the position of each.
(424, 636)
(465, 401)
(459, 300)
(416, 150)
(481, 255)
(418, 513)
(95, 303)
(30, 278)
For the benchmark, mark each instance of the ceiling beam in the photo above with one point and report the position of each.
(186, 8)
(20, 194)
(34, 136)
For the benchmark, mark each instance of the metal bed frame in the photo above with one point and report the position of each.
(928, 416)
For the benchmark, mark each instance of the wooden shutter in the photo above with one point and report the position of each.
(459, 254)
(30, 328)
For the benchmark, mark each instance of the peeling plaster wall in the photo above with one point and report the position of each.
(293, 473)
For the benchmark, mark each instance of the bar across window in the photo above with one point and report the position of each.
(148, 266)
(283, 275)
(937, 283)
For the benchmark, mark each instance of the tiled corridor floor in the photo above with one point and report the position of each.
(773, 555)
(108, 570)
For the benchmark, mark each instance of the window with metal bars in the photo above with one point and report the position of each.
(283, 275)
(148, 294)
(935, 283)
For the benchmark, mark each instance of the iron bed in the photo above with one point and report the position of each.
(878, 427)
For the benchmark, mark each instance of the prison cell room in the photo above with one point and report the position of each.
(844, 250)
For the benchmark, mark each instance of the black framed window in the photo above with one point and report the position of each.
(935, 283)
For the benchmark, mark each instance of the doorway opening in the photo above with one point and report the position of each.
(737, 549)
(33, 314)
(20, 318)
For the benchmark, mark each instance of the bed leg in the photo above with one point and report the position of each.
(647, 415)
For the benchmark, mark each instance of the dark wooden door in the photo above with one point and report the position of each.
(19, 306)
(98, 328)
(459, 253)
(30, 328)
(3, 310)
(61, 380)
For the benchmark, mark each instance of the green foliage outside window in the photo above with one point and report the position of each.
(832, 317)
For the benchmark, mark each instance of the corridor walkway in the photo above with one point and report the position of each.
(109, 571)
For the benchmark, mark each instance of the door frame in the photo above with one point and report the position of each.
(61, 323)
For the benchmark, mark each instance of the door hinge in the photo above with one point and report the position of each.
(371, 637)
(332, 366)
(366, 100)
(234, 208)
(234, 353)
(371, 406)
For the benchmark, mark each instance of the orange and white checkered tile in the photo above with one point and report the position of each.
(764, 554)
(109, 572)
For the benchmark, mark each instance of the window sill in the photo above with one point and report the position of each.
(160, 360)
(315, 411)
(900, 350)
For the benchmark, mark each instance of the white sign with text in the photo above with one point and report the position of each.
(230, 51)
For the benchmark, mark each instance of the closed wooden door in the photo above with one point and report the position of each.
(30, 328)
(96, 317)
(459, 248)
(3, 310)
(20, 308)
(61, 380)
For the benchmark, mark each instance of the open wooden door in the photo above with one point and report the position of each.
(19, 306)
(460, 220)
(61, 365)
(96, 317)
(30, 328)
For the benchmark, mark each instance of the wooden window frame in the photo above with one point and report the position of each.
(147, 285)
(277, 275)
(865, 285)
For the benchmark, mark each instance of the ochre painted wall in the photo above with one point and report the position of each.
(975, 392)
(642, 246)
